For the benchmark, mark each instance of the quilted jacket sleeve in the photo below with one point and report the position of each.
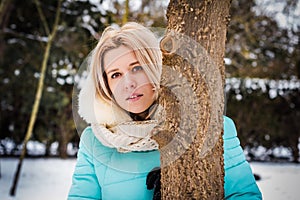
(239, 180)
(85, 183)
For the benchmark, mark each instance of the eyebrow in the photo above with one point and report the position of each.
(116, 69)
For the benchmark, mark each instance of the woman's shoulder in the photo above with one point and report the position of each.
(89, 140)
(87, 136)
(87, 133)
(229, 128)
(230, 137)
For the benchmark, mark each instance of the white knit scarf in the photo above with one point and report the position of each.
(127, 136)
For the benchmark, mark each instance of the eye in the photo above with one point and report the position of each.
(115, 75)
(137, 68)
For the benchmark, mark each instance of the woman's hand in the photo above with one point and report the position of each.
(153, 182)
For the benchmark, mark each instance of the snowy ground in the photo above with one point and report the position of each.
(50, 179)
(278, 181)
(41, 179)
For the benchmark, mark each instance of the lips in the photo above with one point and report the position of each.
(134, 96)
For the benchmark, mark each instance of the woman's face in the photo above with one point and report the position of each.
(128, 81)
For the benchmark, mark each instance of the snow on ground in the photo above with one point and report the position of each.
(50, 179)
(41, 179)
(279, 181)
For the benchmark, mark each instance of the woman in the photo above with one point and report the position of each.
(118, 100)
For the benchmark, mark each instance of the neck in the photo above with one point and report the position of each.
(145, 115)
(140, 116)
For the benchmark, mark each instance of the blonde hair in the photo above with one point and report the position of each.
(134, 36)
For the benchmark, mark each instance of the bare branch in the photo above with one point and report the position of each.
(42, 16)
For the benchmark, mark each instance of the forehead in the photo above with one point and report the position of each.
(118, 57)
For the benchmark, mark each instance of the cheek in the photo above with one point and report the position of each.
(112, 86)
(143, 79)
(149, 91)
(117, 91)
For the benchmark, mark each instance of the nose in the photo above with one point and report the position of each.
(129, 82)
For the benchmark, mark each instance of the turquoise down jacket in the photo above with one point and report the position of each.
(104, 173)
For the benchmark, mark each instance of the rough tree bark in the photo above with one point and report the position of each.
(190, 137)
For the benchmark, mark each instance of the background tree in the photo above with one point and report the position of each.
(19, 70)
(264, 99)
(37, 100)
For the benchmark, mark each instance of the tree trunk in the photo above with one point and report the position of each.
(126, 12)
(63, 142)
(5, 8)
(66, 130)
(39, 91)
(5, 11)
(190, 137)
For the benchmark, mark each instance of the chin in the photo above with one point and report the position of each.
(137, 110)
